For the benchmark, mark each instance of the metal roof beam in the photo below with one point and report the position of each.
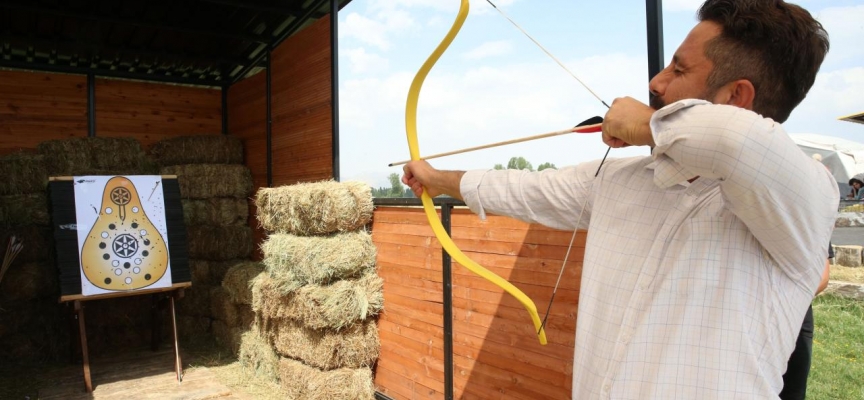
(14, 64)
(135, 22)
(69, 47)
(288, 31)
(283, 10)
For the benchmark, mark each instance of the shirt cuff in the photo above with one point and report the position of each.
(469, 187)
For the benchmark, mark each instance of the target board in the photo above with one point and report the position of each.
(122, 235)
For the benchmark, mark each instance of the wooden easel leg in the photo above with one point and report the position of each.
(178, 367)
(79, 310)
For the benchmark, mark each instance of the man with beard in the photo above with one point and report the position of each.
(701, 259)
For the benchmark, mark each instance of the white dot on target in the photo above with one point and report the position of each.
(108, 210)
(143, 233)
(136, 270)
(134, 209)
(128, 280)
(115, 263)
(104, 235)
(137, 261)
(117, 272)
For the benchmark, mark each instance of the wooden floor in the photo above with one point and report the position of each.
(144, 375)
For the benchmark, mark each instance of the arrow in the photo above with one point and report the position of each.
(590, 125)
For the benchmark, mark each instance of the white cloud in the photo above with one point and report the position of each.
(835, 94)
(489, 49)
(375, 29)
(360, 62)
(845, 26)
(682, 5)
(484, 105)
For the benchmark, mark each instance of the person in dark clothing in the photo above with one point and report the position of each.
(798, 367)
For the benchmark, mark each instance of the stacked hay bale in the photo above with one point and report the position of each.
(29, 315)
(214, 186)
(317, 301)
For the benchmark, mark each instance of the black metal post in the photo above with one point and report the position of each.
(334, 82)
(447, 279)
(269, 123)
(654, 24)
(225, 109)
(91, 105)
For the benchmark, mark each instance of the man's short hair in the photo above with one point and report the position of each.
(777, 46)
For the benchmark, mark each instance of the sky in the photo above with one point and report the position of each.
(494, 84)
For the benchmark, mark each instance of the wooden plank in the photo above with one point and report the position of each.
(73, 297)
(399, 387)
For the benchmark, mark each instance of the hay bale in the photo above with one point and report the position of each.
(199, 149)
(195, 301)
(318, 260)
(211, 273)
(22, 173)
(28, 281)
(354, 347)
(221, 307)
(315, 208)
(246, 314)
(38, 242)
(33, 330)
(200, 272)
(238, 281)
(227, 336)
(215, 211)
(219, 242)
(257, 356)
(24, 209)
(95, 156)
(190, 327)
(203, 181)
(332, 306)
(304, 382)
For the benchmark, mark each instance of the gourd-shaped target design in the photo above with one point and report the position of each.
(124, 250)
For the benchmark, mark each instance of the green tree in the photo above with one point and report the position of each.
(519, 163)
(546, 165)
(498, 166)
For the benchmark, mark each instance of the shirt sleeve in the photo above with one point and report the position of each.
(553, 198)
(786, 199)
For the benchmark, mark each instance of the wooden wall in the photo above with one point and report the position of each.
(35, 107)
(39, 106)
(151, 112)
(301, 110)
(495, 348)
(247, 119)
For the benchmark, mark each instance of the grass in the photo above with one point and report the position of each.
(837, 370)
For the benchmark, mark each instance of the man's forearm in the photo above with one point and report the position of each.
(448, 183)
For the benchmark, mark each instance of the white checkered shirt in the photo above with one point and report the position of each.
(689, 290)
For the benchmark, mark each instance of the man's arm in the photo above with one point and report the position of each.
(787, 200)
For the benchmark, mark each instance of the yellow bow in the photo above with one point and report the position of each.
(431, 215)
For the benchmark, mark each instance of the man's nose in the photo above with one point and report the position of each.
(658, 83)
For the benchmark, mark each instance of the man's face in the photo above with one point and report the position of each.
(687, 76)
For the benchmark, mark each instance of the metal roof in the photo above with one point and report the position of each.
(201, 42)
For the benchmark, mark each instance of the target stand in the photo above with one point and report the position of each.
(131, 254)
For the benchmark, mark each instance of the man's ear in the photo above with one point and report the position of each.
(739, 93)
